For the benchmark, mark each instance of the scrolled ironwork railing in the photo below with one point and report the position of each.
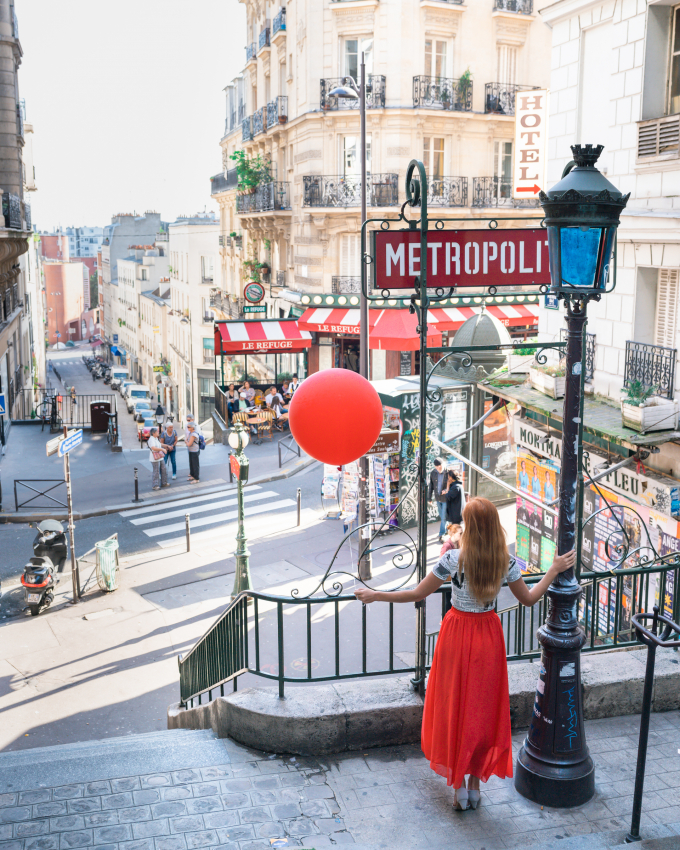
(223, 182)
(447, 192)
(522, 7)
(442, 93)
(11, 210)
(27, 215)
(338, 191)
(259, 119)
(267, 196)
(251, 51)
(277, 111)
(500, 97)
(247, 129)
(590, 353)
(652, 366)
(496, 192)
(375, 93)
(346, 285)
(279, 22)
(263, 40)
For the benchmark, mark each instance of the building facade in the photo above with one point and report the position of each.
(84, 241)
(153, 340)
(443, 79)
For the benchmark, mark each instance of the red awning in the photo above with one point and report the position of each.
(260, 337)
(334, 320)
(511, 315)
(395, 330)
(95, 343)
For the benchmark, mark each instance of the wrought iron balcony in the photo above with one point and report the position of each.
(375, 93)
(247, 129)
(652, 365)
(27, 215)
(338, 191)
(11, 210)
(447, 192)
(590, 352)
(522, 7)
(20, 120)
(251, 52)
(346, 285)
(500, 97)
(279, 22)
(241, 111)
(266, 197)
(277, 111)
(263, 41)
(223, 182)
(259, 121)
(442, 93)
(495, 192)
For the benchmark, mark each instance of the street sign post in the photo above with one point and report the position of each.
(73, 439)
(62, 445)
(388, 441)
(2, 403)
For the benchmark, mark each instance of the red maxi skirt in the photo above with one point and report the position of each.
(466, 719)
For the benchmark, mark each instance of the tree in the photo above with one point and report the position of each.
(94, 291)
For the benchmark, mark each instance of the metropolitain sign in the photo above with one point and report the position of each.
(478, 258)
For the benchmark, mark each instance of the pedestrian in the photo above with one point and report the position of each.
(169, 440)
(193, 447)
(453, 535)
(190, 421)
(455, 498)
(294, 384)
(159, 475)
(466, 717)
(438, 481)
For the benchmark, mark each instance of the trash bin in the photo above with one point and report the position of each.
(107, 564)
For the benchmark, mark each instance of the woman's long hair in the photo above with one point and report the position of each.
(483, 551)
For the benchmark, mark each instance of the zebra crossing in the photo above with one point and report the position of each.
(162, 522)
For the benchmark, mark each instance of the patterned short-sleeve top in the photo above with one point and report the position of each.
(461, 597)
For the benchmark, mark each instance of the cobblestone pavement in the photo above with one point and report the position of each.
(381, 798)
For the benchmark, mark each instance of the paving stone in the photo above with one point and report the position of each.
(244, 832)
(93, 789)
(151, 828)
(300, 827)
(189, 823)
(182, 777)
(206, 838)
(15, 813)
(51, 810)
(67, 792)
(110, 834)
(83, 805)
(229, 786)
(288, 780)
(145, 797)
(179, 792)
(319, 792)
(44, 842)
(204, 805)
(6, 830)
(217, 820)
(169, 809)
(286, 810)
(170, 842)
(314, 808)
(129, 783)
(134, 815)
(7, 800)
(206, 789)
(31, 827)
(101, 818)
(220, 772)
(235, 801)
(266, 783)
(30, 798)
(118, 801)
(70, 840)
(263, 798)
(141, 844)
(67, 823)
(256, 814)
(329, 824)
(156, 780)
(17, 844)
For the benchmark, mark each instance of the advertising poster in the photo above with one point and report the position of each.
(538, 476)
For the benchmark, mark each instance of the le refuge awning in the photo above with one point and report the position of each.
(260, 337)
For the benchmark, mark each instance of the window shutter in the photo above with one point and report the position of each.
(506, 64)
(667, 307)
(350, 248)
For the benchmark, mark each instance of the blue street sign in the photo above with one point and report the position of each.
(115, 338)
(2, 403)
(58, 335)
(70, 442)
(552, 302)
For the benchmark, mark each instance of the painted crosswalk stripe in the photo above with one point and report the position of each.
(189, 500)
(223, 517)
(225, 503)
(279, 521)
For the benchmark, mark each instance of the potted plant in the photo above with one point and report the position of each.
(465, 86)
(520, 359)
(643, 410)
(549, 379)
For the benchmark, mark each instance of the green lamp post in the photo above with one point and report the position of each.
(238, 440)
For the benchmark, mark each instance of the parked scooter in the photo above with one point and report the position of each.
(50, 551)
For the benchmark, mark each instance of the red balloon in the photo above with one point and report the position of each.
(335, 416)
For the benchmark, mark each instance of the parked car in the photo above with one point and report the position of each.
(145, 431)
(135, 393)
(124, 385)
(141, 410)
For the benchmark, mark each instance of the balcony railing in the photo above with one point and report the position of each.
(266, 197)
(652, 365)
(495, 192)
(277, 111)
(263, 41)
(279, 22)
(251, 51)
(447, 192)
(223, 182)
(11, 210)
(27, 215)
(247, 129)
(442, 93)
(259, 121)
(500, 97)
(332, 191)
(375, 93)
(590, 353)
(241, 111)
(522, 7)
(20, 121)
(346, 285)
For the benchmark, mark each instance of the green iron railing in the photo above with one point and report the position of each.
(259, 633)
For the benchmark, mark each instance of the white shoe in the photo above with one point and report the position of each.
(173, 477)
(474, 798)
(461, 800)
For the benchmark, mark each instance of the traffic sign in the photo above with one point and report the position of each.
(75, 438)
(2, 403)
(58, 335)
(253, 292)
(551, 301)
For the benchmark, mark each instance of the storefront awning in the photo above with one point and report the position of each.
(260, 337)
(511, 315)
(96, 343)
(332, 320)
(395, 330)
(114, 350)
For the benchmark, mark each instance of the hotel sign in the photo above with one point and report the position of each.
(531, 137)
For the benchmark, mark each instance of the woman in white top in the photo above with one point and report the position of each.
(466, 717)
(159, 471)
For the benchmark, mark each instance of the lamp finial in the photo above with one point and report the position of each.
(586, 156)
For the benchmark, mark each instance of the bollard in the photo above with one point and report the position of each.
(299, 504)
(137, 499)
(653, 640)
(188, 529)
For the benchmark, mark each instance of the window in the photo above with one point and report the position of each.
(350, 255)
(665, 322)
(207, 269)
(145, 274)
(506, 64)
(435, 58)
(351, 167)
(282, 78)
(208, 350)
(352, 58)
(502, 167)
(674, 82)
(433, 156)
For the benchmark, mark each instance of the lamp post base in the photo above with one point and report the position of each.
(558, 787)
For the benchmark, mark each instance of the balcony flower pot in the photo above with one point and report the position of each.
(654, 414)
(547, 383)
(283, 119)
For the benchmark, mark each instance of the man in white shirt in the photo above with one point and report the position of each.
(294, 384)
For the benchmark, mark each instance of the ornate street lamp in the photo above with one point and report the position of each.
(581, 214)
(238, 439)
(160, 415)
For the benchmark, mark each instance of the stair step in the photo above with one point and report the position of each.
(110, 758)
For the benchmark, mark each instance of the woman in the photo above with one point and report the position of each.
(247, 393)
(169, 441)
(279, 411)
(455, 498)
(453, 535)
(232, 400)
(192, 446)
(159, 474)
(466, 718)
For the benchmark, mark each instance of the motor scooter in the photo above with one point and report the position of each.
(50, 551)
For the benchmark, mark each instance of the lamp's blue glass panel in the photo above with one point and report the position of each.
(579, 254)
(603, 273)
